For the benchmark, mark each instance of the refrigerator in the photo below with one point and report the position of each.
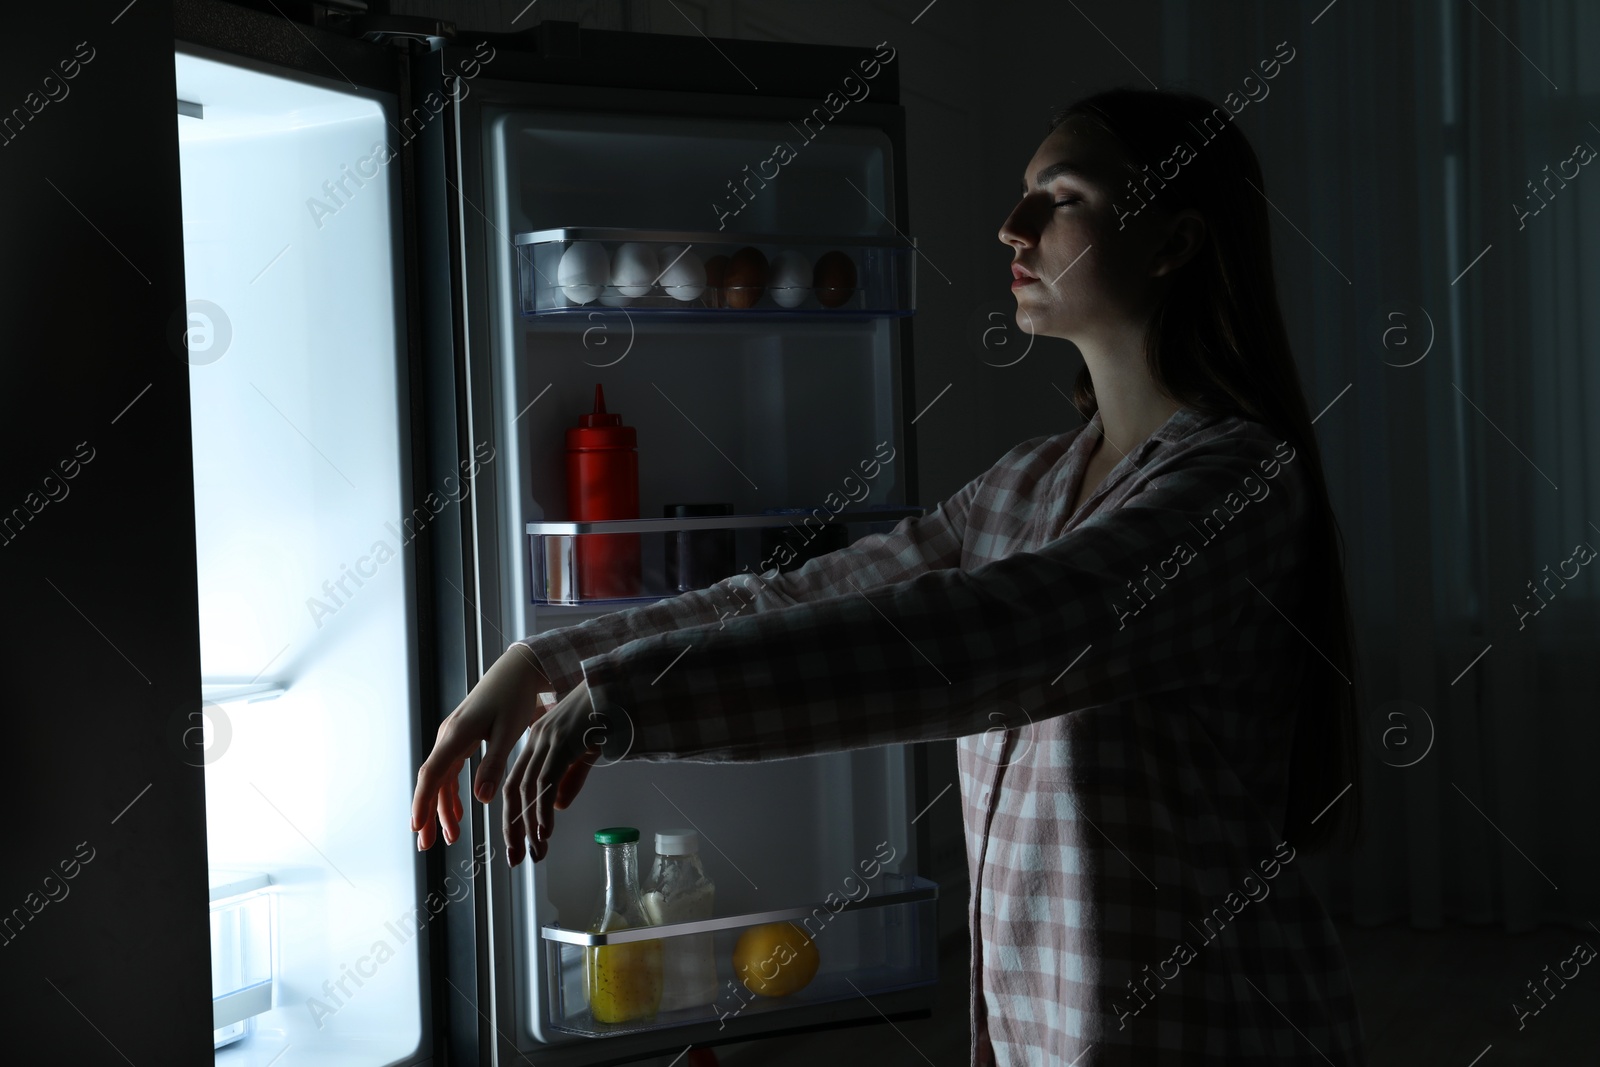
(388, 332)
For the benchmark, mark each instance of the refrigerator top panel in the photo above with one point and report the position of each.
(228, 102)
(661, 172)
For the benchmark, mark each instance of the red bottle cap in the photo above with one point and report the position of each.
(601, 428)
(600, 416)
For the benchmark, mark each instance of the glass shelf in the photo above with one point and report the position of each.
(217, 691)
(631, 561)
(664, 275)
(883, 941)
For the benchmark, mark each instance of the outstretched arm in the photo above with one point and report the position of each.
(501, 707)
(928, 657)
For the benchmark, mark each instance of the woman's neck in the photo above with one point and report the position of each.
(1131, 407)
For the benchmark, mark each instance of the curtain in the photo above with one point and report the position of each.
(1442, 290)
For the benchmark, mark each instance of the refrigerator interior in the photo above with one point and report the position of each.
(294, 334)
(754, 414)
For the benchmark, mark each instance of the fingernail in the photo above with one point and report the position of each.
(419, 842)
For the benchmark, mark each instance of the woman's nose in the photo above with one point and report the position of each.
(1015, 232)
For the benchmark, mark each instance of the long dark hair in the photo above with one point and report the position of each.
(1217, 343)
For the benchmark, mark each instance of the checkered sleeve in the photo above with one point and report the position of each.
(915, 545)
(931, 656)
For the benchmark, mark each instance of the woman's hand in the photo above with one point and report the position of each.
(497, 710)
(548, 772)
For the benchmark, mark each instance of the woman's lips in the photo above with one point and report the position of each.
(1021, 276)
(1021, 280)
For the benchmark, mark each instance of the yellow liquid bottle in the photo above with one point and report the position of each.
(624, 982)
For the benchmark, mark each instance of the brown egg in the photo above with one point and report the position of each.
(747, 278)
(834, 279)
(716, 278)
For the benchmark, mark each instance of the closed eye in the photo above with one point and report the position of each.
(1071, 200)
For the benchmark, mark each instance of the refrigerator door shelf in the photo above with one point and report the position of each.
(241, 951)
(623, 561)
(240, 1004)
(894, 889)
(883, 942)
(663, 275)
(889, 513)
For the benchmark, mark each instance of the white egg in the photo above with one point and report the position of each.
(634, 269)
(790, 280)
(683, 275)
(583, 270)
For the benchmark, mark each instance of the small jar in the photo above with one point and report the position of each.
(697, 558)
(678, 891)
(623, 981)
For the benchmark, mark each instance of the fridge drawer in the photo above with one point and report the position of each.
(623, 561)
(882, 942)
(657, 274)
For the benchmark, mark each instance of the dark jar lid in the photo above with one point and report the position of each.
(689, 511)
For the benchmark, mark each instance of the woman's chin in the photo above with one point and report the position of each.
(1031, 322)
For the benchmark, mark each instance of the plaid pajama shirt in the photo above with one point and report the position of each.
(1121, 683)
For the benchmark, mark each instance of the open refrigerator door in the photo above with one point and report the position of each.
(307, 606)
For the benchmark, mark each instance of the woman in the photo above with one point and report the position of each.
(1154, 602)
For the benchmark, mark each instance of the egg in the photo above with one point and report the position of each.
(683, 276)
(835, 279)
(716, 278)
(747, 277)
(612, 297)
(583, 271)
(791, 279)
(634, 269)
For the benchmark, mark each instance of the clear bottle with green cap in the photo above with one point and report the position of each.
(624, 981)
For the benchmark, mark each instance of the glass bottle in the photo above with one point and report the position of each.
(678, 891)
(623, 981)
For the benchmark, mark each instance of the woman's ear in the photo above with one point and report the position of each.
(1186, 233)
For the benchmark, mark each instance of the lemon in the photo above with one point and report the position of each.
(775, 960)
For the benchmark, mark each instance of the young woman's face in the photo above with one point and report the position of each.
(1088, 275)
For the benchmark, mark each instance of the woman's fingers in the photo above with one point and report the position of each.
(559, 759)
(513, 808)
(502, 739)
(439, 770)
(448, 805)
(576, 775)
(449, 826)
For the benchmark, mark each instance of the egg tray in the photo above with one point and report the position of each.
(662, 274)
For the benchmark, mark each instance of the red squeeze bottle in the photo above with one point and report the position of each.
(603, 483)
